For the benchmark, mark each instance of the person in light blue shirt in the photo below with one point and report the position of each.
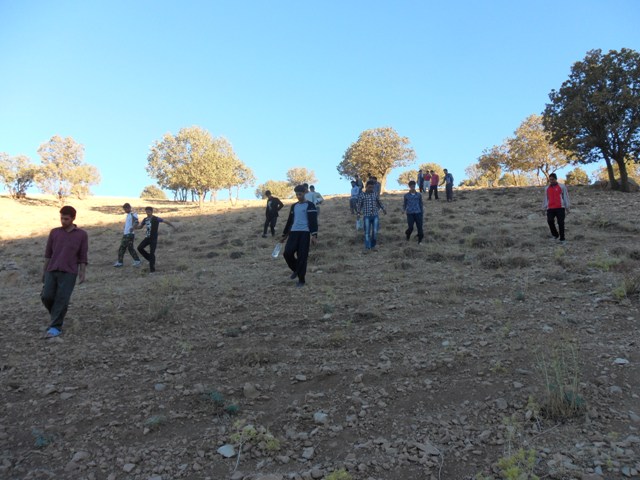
(412, 206)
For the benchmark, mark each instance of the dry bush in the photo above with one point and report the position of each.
(492, 262)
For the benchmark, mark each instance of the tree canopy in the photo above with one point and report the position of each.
(193, 160)
(278, 188)
(376, 152)
(577, 176)
(63, 171)
(300, 175)
(531, 149)
(17, 174)
(596, 112)
(405, 177)
(153, 192)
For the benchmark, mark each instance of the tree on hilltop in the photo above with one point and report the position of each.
(278, 188)
(405, 177)
(192, 160)
(577, 176)
(17, 173)
(376, 152)
(531, 150)
(63, 171)
(596, 112)
(153, 192)
(300, 175)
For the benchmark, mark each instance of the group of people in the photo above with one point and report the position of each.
(431, 180)
(67, 246)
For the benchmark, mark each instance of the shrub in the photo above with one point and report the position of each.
(154, 192)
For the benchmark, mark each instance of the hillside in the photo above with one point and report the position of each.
(438, 361)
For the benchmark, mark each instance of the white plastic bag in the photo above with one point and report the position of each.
(358, 224)
(276, 250)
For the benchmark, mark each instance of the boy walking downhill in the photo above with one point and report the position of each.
(128, 237)
(300, 231)
(412, 206)
(368, 206)
(448, 185)
(353, 200)
(556, 203)
(433, 185)
(65, 260)
(151, 239)
(273, 207)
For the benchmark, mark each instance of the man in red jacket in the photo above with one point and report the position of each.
(556, 203)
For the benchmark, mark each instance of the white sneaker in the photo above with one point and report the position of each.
(117, 264)
(136, 263)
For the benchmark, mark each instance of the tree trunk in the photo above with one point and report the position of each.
(383, 184)
(624, 177)
(612, 177)
(515, 179)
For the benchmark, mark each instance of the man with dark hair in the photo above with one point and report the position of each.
(556, 204)
(448, 185)
(412, 206)
(152, 223)
(420, 181)
(273, 207)
(65, 260)
(368, 206)
(300, 231)
(433, 184)
(128, 237)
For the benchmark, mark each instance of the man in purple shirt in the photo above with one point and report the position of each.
(65, 259)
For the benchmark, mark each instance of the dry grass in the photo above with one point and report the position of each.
(425, 335)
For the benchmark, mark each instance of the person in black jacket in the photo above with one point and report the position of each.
(300, 231)
(151, 239)
(273, 207)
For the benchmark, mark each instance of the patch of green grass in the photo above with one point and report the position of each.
(604, 263)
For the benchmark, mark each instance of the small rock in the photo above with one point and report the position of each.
(158, 387)
(227, 451)
(547, 329)
(301, 378)
(621, 361)
(501, 404)
(320, 418)
(308, 453)
(128, 467)
(250, 391)
(615, 390)
(80, 456)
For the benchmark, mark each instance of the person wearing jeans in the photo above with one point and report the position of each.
(448, 185)
(556, 204)
(368, 207)
(412, 206)
(65, 261)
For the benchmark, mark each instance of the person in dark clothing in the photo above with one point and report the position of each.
(65, 259)
(300, 231)
(412, 206)
(151, 239)
(273, 207)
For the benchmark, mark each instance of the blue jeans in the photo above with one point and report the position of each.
(371, 225)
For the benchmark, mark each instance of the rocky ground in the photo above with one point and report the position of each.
(490, 351)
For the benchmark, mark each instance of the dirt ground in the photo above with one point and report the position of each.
(490, 351)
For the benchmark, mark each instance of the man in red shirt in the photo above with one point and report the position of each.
(433, 185)
(65, 259)
(556, 203)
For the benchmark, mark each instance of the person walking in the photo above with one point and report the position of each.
(420, 181)
(315, 197)
(151, 238)
(353, 199)
(65, 261)
(433, 185)
(274, 205)
(126, 244)
(368, 207)
(300, 231)
(412, 206)
(359, 183)
(448, 185)
(556, 204)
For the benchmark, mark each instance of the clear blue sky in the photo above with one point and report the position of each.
(289, 83)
